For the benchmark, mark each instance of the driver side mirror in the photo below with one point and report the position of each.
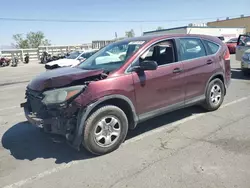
(146, 65)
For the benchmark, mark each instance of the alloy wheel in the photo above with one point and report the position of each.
(107, 131)
(215, 94)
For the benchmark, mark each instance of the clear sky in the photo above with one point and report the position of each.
(78, 33)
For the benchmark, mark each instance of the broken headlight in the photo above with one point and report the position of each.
(61, 95)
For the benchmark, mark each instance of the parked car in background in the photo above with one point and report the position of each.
(73, 59)
(231, 44)
(4, 61)
(95, 104)
(243, 53)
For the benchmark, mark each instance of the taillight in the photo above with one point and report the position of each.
(227, 55)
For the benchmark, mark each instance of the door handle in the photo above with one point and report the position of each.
(209, 61)
(177, 70)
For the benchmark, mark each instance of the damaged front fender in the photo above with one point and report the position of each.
(85, 112)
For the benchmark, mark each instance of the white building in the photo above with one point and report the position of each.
(225, 32)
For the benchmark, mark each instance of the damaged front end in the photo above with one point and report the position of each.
(54, 100)
(55, 111)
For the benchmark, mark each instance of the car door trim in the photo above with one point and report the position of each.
(154, 113)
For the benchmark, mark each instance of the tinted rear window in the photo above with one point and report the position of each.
(212, 47)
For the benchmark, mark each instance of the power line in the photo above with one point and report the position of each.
(107, 21)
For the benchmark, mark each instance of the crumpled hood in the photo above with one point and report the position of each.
(60, 77)
(63, 62)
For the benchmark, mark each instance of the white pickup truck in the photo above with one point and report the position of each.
(243, 53)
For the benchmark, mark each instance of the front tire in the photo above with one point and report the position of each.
(214, 95)
(105, 130)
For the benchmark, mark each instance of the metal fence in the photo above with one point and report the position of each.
(20, 53)
(35, 53)
(97, 44)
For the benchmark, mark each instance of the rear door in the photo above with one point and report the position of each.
(198, 67)
(242, 46)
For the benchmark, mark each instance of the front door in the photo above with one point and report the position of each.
(162, 88)
(242, 46)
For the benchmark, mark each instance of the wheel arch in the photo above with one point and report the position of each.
(120, 101)
(123, 103)
(219, 76)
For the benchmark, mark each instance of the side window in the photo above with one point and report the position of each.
(162, 53)
(212, 47)
(191, 48)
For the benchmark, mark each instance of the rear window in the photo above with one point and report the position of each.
(212, 47)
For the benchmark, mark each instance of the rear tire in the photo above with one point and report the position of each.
(105, 130)
(214, 95)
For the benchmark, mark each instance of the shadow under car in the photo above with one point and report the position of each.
(27, 142)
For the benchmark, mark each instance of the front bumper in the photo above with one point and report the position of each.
(60, 120)
(65, 126)
(38, 122)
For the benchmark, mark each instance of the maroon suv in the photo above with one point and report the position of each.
(96, 103)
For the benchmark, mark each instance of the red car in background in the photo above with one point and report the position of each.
(231, 44)
(4, 61)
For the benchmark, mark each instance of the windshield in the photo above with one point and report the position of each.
(73, 55)
(112, 57)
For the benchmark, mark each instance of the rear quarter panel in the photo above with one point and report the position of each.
(223, 66)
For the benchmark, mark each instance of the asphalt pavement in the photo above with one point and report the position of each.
(187, 148)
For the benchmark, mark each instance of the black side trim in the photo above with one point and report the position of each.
(85, 112)
(170, 108)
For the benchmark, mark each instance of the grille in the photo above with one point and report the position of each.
(35, 101)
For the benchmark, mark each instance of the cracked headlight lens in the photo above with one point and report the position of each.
(61, 95)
